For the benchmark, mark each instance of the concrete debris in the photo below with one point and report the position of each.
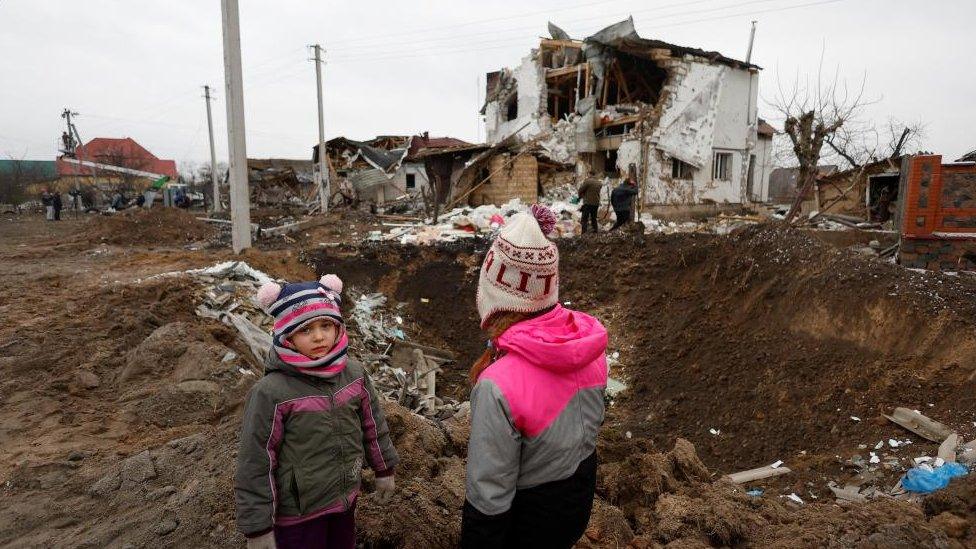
(916, 422)
(758, 473)
(947, 450)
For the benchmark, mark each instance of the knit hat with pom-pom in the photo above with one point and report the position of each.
(521, 269)
(296, 304)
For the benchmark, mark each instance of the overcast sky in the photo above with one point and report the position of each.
(135, 68)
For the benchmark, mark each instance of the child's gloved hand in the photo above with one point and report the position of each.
(384, 489)
(264, 541)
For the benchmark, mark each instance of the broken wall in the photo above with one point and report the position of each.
(518, 178)
(419, 172)
(530, 85)
(764, 167)
(938, 214)
(705, 111)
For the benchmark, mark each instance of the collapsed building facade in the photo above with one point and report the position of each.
(384, 168)
(682, 121)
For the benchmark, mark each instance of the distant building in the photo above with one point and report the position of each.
(123, 153)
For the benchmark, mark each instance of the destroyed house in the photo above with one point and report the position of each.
(682, 120)
(387, 167)
(281, 180)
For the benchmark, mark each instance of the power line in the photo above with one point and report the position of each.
(588, 19)
(450, 51)
(338, 45)
(475, 22)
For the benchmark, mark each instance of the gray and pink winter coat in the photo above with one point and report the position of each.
(535, 413)
(303, 443)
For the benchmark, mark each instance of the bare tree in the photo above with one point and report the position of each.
(15, 179)
(813, 112)
(858, 144)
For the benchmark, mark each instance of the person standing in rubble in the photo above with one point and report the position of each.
(537, 400)
(622, 201)
(308, 425)
(47, 200)
(57, 205)
(589, 194)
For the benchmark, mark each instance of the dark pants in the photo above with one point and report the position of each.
(333, 531)
(589, 214)
(623, 216)
(57, 213)
(552, 515)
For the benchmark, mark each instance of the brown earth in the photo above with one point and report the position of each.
(158, 227)
(119, 416)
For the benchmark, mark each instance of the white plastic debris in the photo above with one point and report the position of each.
(874, 458)
(714, 431)
(855, 418)
(939, 462)
(795, 498)
(629, 434)
(776, 464)
(879, 445)
(922, 459)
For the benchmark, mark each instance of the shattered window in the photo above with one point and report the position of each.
(722, 166)
(681, 170)
(511, 107)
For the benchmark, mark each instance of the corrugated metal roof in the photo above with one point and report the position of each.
(367, 179)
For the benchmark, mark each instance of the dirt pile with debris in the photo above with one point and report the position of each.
(156, 227)
(808, 344)
(121, 412)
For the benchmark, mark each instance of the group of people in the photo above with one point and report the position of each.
(52, 205)
(314, 419)
(621, 200)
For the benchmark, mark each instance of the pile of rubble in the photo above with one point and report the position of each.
(405, 372)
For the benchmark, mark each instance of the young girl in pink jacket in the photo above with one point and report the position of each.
(537, 400)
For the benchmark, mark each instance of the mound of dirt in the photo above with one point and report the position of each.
(795, 335)
(155, 227)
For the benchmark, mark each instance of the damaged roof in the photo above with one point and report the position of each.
(765, 129)
(381, 159)
(422, 145)
(968, 157)
(623, 36)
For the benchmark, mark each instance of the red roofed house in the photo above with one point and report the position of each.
(122, 152)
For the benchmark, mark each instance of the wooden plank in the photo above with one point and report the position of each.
(629, 119)
(621, 82)
(563, 71)
(553, 43)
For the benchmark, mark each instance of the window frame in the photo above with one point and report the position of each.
(722, 162)
(681, 170)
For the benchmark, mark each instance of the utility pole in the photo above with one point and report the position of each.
(322, 174)
(213, 154)
(751, 126)
(74, 135)
(752, 38)
(240, 200)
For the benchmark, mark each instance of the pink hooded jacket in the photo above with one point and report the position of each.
(536, 410)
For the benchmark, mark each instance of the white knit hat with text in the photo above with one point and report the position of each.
(521, 269)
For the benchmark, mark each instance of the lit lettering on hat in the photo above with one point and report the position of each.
(503, 276)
